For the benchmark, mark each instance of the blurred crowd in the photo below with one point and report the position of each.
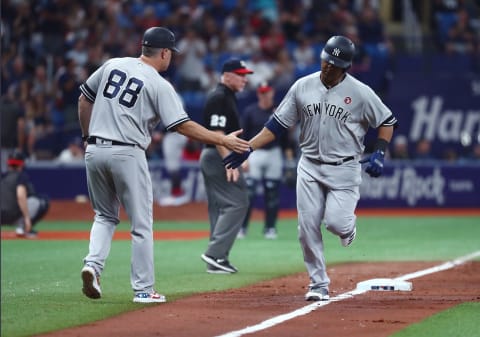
(49, 47)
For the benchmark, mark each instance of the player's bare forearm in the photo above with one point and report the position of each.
(198, 132)
(84, 113)
(262, 138)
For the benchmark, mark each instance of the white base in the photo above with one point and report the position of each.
(384, 284)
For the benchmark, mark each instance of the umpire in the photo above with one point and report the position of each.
(21, 206)
(226, 189)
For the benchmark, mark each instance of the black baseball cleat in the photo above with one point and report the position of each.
(222, 264)
(317, 294)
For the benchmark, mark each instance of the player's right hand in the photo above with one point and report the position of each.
(375, 163)
(234, 160)
(233, 143)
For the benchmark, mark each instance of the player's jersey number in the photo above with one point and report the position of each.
(129, 93)
(218, 121)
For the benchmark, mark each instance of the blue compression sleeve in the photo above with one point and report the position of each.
(275, 127)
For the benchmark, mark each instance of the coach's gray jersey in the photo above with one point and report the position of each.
(131, 98)
(341, 114)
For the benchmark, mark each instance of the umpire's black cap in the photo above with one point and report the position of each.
(159, 37)
(236, 66)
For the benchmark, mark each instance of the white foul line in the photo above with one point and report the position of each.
(314, 306)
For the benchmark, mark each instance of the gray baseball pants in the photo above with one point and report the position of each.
(227, 204)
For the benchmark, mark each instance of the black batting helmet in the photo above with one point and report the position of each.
(159, 37)
(338, 51)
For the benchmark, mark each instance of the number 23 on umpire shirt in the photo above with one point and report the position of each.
(220, 112)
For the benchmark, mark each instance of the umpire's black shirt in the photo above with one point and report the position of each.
(220, 111)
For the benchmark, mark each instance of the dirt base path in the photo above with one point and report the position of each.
(373, 314)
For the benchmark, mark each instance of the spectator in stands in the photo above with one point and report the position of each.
(321, 27)
(51, 23)
(400, 148)
(247, 43)
(190, 61)
(272, 40)
(237, 19)
(291, 18)
(371, 32)
(14, 73)
(284, 70)
(217, 10)
(78, 53)
(67, 86)
(461, 36)
(21, 206)
(148, 18)
(423, 150)
(193, 9)
(39, 126)
(342, 13)
(263, 70)
(40, 81)
(73, 153)
(450, 155)
(213, 37)
(303, 54)
(361, 59)
(475, 153)
(12, 125)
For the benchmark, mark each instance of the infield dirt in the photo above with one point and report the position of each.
(373, 314)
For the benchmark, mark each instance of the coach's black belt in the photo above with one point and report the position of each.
(102, 141)
(335, 163)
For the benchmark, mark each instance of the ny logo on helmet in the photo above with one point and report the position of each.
(336, 52)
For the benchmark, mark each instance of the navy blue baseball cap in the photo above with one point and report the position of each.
(159, 37)
(236, 66)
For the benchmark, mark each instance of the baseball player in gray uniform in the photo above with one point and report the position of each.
(119, 106)
(334, 110)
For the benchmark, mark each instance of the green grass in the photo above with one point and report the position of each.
(41, 279)
(461, 320)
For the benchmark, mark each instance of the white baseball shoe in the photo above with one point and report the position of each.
(152, 297)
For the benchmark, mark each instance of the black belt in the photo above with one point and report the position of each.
(335, 163)
(102, 141)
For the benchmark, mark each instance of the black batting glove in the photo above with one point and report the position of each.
(234, 160)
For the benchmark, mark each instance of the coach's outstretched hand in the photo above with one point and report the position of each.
(234, 160)
(233, 143)
(375, 163)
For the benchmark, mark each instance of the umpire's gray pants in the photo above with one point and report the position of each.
(227, 204)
